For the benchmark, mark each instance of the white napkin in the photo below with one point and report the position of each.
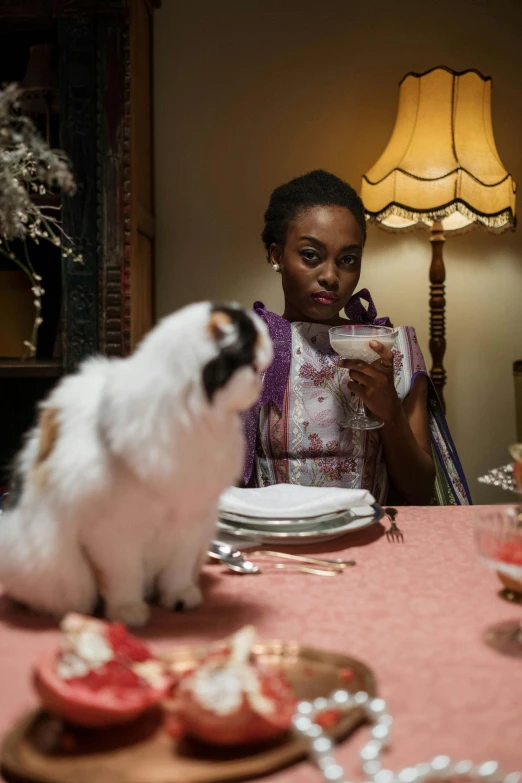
(291, 501)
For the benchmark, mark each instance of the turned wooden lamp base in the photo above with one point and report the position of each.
(437, 310)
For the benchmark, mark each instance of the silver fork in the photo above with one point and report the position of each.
(393, 533)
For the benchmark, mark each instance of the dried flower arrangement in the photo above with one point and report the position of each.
(28, 167)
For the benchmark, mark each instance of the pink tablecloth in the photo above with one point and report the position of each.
(415, 612)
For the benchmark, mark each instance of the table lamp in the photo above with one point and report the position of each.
(441, 168)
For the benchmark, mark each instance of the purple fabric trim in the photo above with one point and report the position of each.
(276, 377)
(274, 380)
(438, 413)
(416, 375)
(416, 357)
(440, 417)
(359, 314)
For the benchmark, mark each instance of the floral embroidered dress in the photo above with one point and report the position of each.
(296, 435)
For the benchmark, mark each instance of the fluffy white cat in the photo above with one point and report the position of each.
(115, 491)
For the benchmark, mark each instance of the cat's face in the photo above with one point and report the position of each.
(244, 351)
(214, 353)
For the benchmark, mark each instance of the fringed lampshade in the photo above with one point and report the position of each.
(441, 168)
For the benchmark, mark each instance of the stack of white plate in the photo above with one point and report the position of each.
(302, 526)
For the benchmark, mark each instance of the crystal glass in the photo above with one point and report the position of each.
(498, 533)
(352, 341)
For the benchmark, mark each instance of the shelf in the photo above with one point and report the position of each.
(31, 368)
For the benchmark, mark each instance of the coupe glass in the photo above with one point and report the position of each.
(353, 342)
(498, 533)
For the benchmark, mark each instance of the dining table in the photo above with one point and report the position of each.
(416, 611)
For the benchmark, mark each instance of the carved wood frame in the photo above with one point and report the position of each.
(93, 43)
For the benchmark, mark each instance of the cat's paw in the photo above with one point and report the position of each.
(132, 614)
(188, 598)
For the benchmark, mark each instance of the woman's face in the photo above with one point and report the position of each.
(320, 263)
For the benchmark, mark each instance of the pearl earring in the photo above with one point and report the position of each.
(276, 267)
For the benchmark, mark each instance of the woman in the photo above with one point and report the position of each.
(314, 235)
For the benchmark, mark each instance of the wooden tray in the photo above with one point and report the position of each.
(42, 750)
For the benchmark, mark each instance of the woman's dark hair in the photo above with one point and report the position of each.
(316, 189)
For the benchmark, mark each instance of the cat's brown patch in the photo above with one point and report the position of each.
(235, 334)
(218, 323)
(49, 430)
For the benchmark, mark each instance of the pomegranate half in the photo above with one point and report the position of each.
(231, 699)
(100, 675)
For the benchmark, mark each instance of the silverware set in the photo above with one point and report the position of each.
(270, 560)
(238, 561)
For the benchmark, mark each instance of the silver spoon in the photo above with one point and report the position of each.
(232, 558)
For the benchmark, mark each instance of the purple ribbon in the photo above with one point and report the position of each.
(359, 314)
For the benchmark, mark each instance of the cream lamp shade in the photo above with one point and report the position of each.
(441, 163)
(441, 168)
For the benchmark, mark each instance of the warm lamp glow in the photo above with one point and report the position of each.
(441, 163)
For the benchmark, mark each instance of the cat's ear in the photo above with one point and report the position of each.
(220, 325)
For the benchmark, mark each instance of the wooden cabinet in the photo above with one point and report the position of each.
(142, 183)
(104, 51)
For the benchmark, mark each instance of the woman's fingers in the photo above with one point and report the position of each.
(359, 389)
(385, 354)
(374, 383)
(372, 370)
(371, 381)
(360, 378)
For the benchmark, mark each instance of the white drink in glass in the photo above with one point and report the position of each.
(352, 341)
(358, 349)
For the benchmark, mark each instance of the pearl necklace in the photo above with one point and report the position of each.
(376, 712)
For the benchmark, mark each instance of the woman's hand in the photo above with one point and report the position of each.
(406, 433)
(374, 383)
